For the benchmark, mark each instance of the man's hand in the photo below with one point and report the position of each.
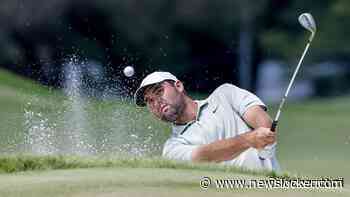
(262, 137)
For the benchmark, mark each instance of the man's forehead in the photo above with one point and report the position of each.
(149, 89)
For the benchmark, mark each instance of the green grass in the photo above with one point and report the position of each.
(314, 137)
(314, 141)
(21, 163)
(108, 182)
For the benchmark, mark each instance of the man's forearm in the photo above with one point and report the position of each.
(223, 150)
(257, 117)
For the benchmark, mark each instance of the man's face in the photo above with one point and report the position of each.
(165, 100)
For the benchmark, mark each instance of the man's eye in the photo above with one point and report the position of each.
(149, 100)
(159, 91)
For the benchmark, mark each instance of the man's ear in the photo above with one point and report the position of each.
(179, 86)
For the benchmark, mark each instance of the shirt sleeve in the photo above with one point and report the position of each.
(240, 99)
(177, 148)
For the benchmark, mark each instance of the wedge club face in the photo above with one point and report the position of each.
(308, 22)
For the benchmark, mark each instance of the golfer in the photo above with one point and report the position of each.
(228, 127)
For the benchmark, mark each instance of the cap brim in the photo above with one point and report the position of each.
(139, 94)
(138, 97)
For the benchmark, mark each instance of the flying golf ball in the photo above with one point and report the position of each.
(129, 71)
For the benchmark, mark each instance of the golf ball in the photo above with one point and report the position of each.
(129, 71)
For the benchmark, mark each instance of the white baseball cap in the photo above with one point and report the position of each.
(150, 79)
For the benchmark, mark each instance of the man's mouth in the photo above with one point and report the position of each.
(164, 108)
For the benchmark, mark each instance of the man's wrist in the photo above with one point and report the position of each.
(248, 138)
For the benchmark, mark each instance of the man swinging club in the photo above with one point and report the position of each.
(228, 127)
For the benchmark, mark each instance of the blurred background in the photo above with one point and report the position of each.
(63, 91)
(255, 45)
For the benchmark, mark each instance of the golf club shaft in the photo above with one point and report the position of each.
(268, 150)
(275, 121)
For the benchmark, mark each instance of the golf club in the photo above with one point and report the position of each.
(308, 22)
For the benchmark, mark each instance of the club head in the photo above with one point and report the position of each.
(308, 22)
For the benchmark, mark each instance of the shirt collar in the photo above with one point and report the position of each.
(201, 105)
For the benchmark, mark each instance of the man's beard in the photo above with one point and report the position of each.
(171, 114)
(174, 111)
